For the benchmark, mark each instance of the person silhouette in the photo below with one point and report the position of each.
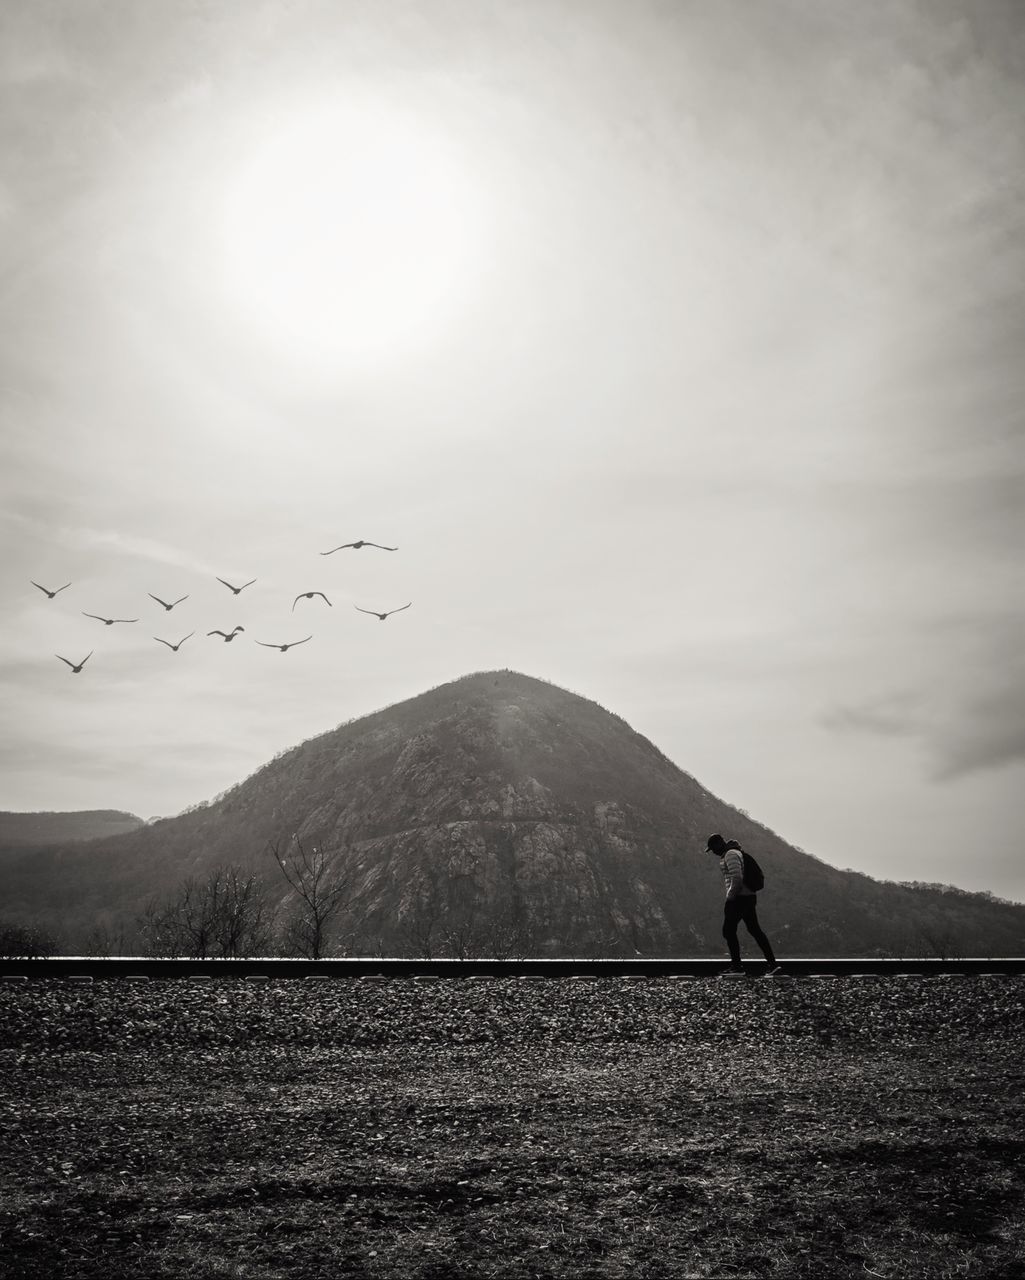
(740, 905)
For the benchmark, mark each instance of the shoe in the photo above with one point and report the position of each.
(733, 973)
(774, 971)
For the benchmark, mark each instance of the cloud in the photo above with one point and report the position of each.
(990, 734)
(148, 549)
(896, 716)
(30, 51)
(988, 731)
(971, 719)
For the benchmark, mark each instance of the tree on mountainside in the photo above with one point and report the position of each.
(321, 888)
(225, 915)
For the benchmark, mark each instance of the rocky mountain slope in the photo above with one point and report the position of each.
(501, 803)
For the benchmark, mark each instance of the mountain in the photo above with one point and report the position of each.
(501, 804)
(25, 830)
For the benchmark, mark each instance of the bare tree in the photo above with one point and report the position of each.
(511, 936)
(321, 888)
(226, 915)
(601, 941)
(368, 944)
(418, 933)
(159, 933)
(429, 931)
(25, 942)
(105, 940)
(462, 937)
(244, 916)
(195, 914)
(941, 939)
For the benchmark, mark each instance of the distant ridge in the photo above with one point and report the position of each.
(24, 830)
(501, 803)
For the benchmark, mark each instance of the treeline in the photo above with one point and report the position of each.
(233, 912)
(311, 897)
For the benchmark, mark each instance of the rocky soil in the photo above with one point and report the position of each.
(512, 1128)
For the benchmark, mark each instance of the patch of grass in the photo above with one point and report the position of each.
(554, 1129)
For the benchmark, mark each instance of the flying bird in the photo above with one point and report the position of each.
(177, 646)
(50, 593)
(109, 622)
(167, 606)
(237, 589)
(308, 595)
(228, 635)
(77, 669)
(283, 647)
(356, 547)
(382, 616)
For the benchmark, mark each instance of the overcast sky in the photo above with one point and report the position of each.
(678, 347)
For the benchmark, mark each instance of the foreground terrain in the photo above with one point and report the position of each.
(513, 1128)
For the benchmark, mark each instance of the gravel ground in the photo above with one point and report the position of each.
(607, 1127)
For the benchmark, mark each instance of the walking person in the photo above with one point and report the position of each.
(741, 903)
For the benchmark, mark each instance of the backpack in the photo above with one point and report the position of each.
(753, 877)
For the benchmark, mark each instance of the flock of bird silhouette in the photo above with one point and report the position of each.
(227, 636)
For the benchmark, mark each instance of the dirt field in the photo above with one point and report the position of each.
(513, 1128)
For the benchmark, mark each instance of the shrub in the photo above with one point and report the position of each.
(25, 942)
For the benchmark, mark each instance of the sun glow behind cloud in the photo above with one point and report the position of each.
(351, 232)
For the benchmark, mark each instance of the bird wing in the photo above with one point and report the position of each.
(297, 599)
(247, 584)
(295, 642)
(45, 591)
(379, 547)
(60, 589)
(167, 642)
(179, 601)
(126, 619)
(324, 598)
(400, 608)
(93, 615)
(159, 601)
(216, 633)
(341, 548)
(376, 615)
(227, 584)
(57, 655)
(87, 657)
(268, 646)
(188, 637)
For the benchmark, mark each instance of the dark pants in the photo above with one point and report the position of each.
(743, 908)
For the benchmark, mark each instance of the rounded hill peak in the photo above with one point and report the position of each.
(496, 685)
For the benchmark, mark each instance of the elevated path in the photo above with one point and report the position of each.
(72, 968)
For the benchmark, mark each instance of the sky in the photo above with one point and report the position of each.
(675, 346)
